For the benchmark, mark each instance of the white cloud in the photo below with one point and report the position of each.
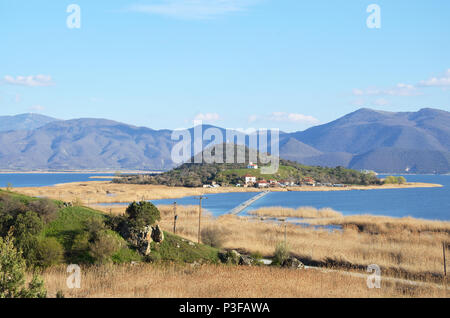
(209, 117)
(407, 89)
(398, 90)
(193, 9)
(32, 80)
(443, 81)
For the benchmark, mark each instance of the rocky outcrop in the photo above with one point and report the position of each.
(230, 257)
(245, 260)
(142, 239)
(157, 234)
(235, 258)
(292, 263)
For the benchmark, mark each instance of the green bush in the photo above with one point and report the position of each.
(142, 214)
(281, 254)
(49, 252)
(12, 274)
(104, 247)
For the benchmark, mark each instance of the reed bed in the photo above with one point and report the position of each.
(93, 192)
(301, 212)
(406, 248)
(219, 281)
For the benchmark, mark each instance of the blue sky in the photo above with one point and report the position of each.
(284, 64)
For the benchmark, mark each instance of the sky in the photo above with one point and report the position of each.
(284, 64)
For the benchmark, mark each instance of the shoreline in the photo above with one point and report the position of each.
(107, 192)
(79, 172)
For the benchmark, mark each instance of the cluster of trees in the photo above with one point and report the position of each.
(395, 180)
(137, 216)
(196, 175)
(24, 221)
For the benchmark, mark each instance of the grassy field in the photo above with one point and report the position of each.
(92, 192)
(303, 212)
(217, 281)
(405, 248)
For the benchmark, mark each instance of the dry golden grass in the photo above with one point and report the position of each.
(220, 281)
(406, 248)
(92, 192)
(302, 212)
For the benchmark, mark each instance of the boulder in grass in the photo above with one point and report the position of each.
(245, 260)
(292, 263)
(157, 234)
(230, 257)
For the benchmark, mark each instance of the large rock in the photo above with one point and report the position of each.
(292, 263)
(230, 257)
(245, 260)
(157, 234)
(144, 239)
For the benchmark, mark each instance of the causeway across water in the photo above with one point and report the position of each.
(247, 203)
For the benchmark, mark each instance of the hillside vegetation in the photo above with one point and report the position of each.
(51, 232)
(199, 174)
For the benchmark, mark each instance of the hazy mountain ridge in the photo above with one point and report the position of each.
(24, 122)
(365, 139)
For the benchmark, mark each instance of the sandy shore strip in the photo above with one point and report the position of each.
(92, 192)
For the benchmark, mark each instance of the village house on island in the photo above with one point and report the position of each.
(249, 179)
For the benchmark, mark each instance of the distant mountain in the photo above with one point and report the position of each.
(416, 142)
(381, 141)
(24, 122)
(86, 144)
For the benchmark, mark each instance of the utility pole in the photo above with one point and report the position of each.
(175, 217)
(444, 247)
(200, 198)
(285, 234)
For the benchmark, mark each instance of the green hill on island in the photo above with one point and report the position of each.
(232, 174)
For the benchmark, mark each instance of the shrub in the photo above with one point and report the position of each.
(12, 274)
(28, 223)
(401, 180)
(142, 214)
(94, 226)
(104, 247)
(45, 208)
(214, 236)
(49, 252)
(281, 254)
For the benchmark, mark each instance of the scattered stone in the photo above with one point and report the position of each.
(191, 244)
(230, 257)
(292, 263)
(246, 260)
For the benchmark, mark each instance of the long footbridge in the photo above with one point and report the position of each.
(241, 207)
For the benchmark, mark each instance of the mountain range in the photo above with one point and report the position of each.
(415, 142)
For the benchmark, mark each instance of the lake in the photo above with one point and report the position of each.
(20, 180)
(426, 203)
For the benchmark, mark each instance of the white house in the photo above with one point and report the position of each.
(252, 165)
(263, 184)
(249, 179)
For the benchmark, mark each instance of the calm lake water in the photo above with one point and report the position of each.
(20, 180)
(427, 203)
